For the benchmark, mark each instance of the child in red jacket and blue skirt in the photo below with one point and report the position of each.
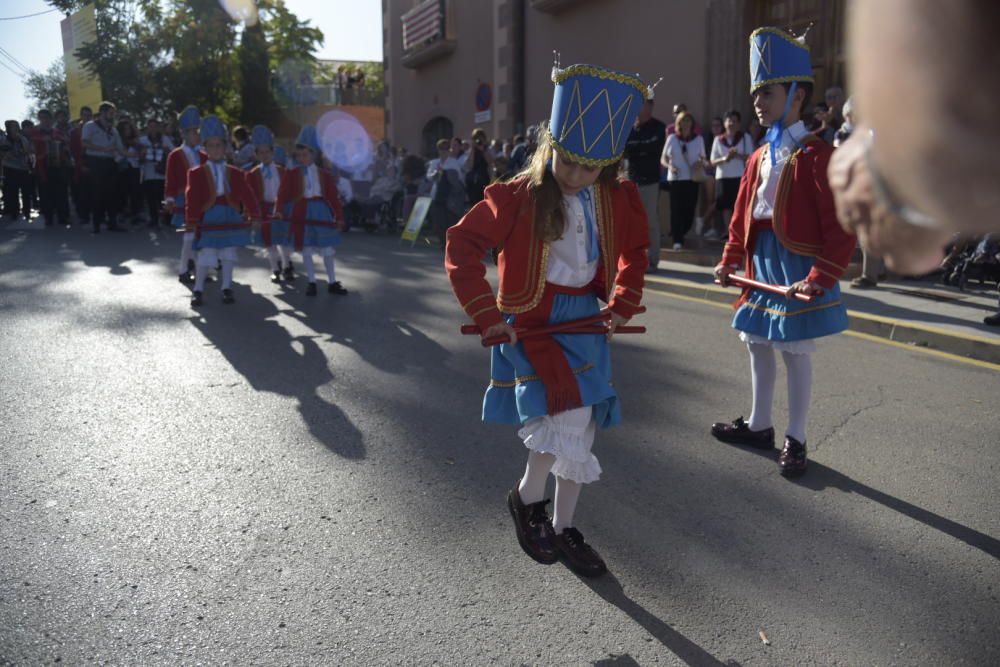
(784, 231)
(217, 203)
(570, 234)
(180, 161)
(265, 179)
(308, 199)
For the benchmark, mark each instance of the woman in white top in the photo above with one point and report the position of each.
(683, 155)
(730, 151)
(154, 147)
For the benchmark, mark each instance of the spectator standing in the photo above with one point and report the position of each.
(81, 195)
(519, 153)
(17, 164)
(129, 187)
(678, 109)
(448, 197)
(102, 146)
(704, 224)
(154, 147)
(51, 146)
(478, 167)
(28, 130)
(642, 151)
(730, 151)
(683, 156)
(847, 127)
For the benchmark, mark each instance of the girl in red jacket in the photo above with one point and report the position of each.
(568, 232)
(784, 231)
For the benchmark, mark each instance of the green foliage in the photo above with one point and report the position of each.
(155, 57)
(48, 88)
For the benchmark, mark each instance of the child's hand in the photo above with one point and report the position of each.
(616, 321)
(722, 273)
(804, 287)
(502, 329)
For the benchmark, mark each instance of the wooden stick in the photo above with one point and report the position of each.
(774, 289)
(603, 316)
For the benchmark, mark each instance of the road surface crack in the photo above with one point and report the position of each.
(847, 420)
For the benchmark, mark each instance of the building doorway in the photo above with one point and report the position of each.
(436, 128)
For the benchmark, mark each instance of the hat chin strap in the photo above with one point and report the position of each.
(773, 134)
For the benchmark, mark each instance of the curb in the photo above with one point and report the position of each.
(898, 331)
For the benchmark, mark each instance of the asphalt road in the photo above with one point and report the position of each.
(301, 481)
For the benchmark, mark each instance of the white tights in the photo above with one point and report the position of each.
(307, 261)
(276, 253)
(763, 372)
(532, 489)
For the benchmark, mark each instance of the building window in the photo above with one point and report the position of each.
(425, 33)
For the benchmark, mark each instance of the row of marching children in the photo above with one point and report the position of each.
(220, 208)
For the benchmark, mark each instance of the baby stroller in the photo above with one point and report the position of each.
(382, 209)
(976, 260)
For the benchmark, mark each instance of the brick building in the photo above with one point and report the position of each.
(454, 65)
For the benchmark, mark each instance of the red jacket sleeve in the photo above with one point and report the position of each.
(255, 182)
(734, 254)
(838, 245)
(176, 176)
(195, 197)
(483, 228)
(242, 193)
(286, 192)
(633, 255)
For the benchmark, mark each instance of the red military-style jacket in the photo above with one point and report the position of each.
(804, 220)
(255, 179)
(177, 174)
(504, 219)
(293, 184)
(200, 195)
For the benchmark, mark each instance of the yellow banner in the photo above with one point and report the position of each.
(84, 88)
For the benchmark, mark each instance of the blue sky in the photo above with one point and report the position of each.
(353, 31)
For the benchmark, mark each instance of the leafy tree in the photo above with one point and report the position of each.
(48, 88)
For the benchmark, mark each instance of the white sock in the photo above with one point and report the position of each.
(187, 252)
(536, 473)
(272, 257)
(286, 255)
(330, 273)
(799, 368)
(307, 260)
(567, 493)
(763, 371)
(200, 273)
(227, 273)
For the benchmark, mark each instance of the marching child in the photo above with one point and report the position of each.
(308, 200)
(179, 162)
(264, 180)
(215, 194)
(784, 231)
(570, 233)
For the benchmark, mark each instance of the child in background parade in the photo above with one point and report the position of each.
(215, 194)
(179, 162)
(264, 180)
(308, 199)
(784, 231)
(569, 233)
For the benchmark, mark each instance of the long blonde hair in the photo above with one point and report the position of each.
(545, 192)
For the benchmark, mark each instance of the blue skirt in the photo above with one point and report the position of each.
(776, 318)
(177, 219)
(319, 236)
(222, 214)
(516, 394)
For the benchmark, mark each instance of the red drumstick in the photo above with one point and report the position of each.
(775, 289)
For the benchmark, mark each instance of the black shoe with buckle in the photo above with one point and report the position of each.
(227, 296)
(533, 528)
(738, 432)
(196, 299)
(579, 556)
(792, 459)
(336, 288)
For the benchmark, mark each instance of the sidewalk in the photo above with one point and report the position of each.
(915, 312)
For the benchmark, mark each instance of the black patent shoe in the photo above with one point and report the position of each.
(336, 288)
(227, 296)
(185, 278)
(792, 459)
(196, 299)
(276, 277)
(533, 528)
(738, 432)
(578, 555)
(289, 272)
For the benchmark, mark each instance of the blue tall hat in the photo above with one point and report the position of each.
(593, 110)
(261, 136)
(213, 128)
(308, 137)
(189, 119)
(777, 56)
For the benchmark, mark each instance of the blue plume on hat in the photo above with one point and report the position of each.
(212, 128)
(308, 137)
(261, 136)
(593, 110)
(189, 119)
(777, 56)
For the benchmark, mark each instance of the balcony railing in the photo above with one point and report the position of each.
(425, 33)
